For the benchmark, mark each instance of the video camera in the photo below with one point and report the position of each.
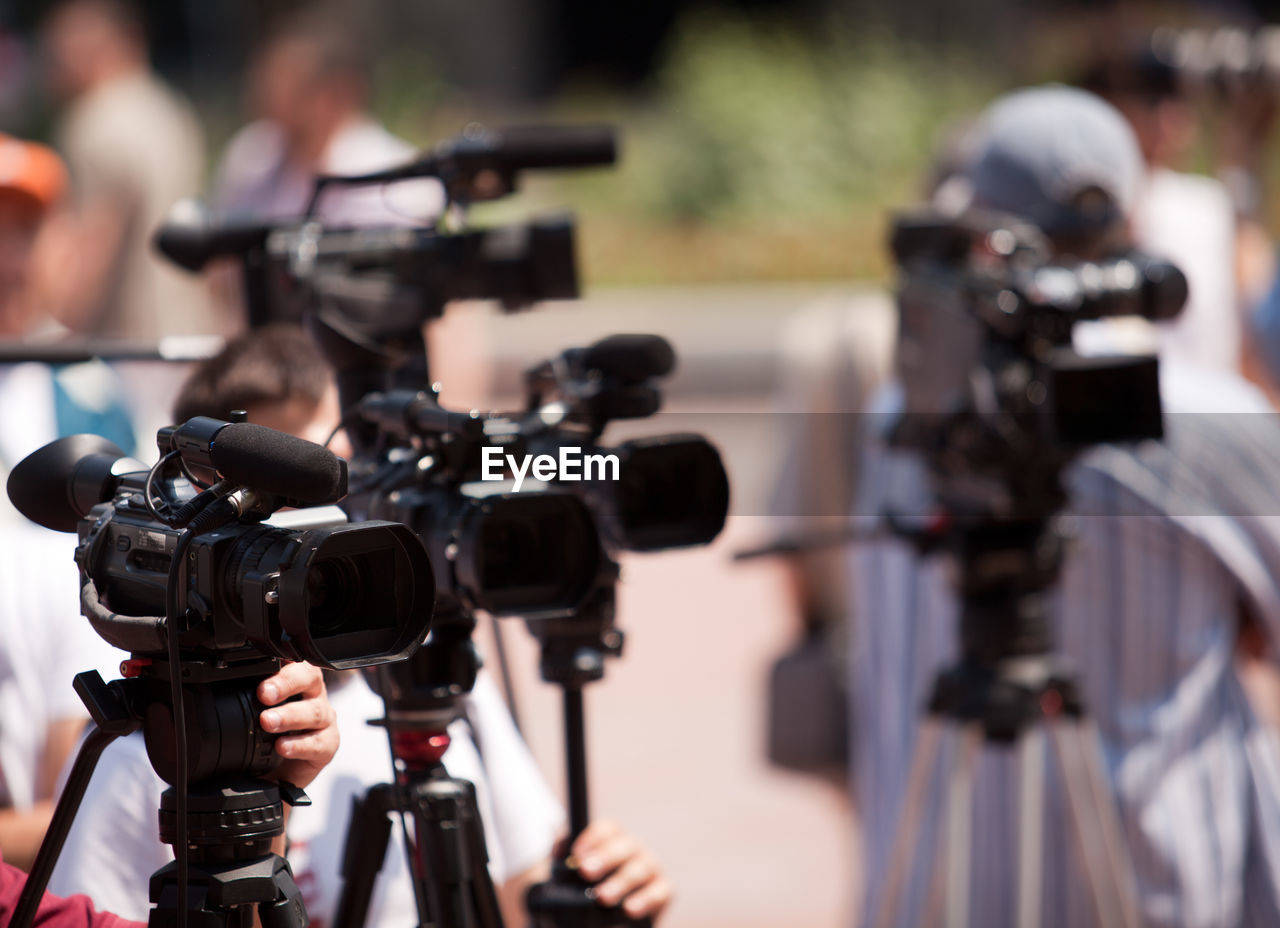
(992, 386)
(535, 553)
(670, 491)
(209, 601)
(339, 597)
(383, 280)
(388, 281)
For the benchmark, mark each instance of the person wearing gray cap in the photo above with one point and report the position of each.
(1175, 542)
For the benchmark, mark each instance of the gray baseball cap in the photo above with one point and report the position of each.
(1058, 157)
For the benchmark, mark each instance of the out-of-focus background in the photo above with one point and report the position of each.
(764, 144)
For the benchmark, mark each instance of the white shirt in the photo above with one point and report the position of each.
(257, 181)
(44, 643)
(133, 142)
(113, 847)
(1189, 219)
(29, 410)
(1171, 537)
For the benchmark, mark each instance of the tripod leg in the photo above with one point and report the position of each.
(888, 912)
(454, 858)
(486, 894)
(1119, 863)
(1085, 814)
(1030, 827)
(363, 854)
(959, 839)
(60, 825)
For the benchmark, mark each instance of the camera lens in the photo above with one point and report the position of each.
(332, 586)
(672, 492)
(339, 597)
(355, 595)
(527, 554)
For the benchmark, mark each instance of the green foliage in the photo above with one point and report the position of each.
(758, 152)
(760, 119)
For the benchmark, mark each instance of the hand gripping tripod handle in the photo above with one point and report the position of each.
(566, 901)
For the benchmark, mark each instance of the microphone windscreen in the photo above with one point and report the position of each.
(630, 358)
(556, 146)
(274, 462)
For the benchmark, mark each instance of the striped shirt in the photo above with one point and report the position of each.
(1170, 538)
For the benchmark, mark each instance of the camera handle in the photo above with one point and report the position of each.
(109, 709)
(573, 654)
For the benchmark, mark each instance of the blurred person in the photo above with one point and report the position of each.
(54, 911)
(295, 705)
(134, 148)
(1189, 219)
(1174, 540)
(33, 180)
(279, 376)
(44, 642)
(309, 96)
(41, 402)
(834, 354)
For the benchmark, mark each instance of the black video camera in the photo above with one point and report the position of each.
(667, 491)
(339, 597)
(991, 384)
(385, 282)
(532, 552)
(382, 280)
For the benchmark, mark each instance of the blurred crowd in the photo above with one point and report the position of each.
(128, 146)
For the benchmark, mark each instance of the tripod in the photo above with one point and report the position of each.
(573, 653)
(231, 815)
(1009, 689)
(448, 859)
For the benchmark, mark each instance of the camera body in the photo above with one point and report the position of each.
(228, 586)
(991, 385)
(669, 491)
(534, 554)
(332, 596)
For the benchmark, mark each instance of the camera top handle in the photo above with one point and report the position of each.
(482, 164)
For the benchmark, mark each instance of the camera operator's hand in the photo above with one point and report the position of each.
(624, 871)
(307, 726)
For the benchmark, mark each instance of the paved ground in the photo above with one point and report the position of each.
(676, 730)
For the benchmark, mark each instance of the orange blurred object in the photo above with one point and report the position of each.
(31, 171)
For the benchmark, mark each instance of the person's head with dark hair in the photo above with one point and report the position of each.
(276, 374)
(1141, 80)
(310, 76)
(92, 41)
